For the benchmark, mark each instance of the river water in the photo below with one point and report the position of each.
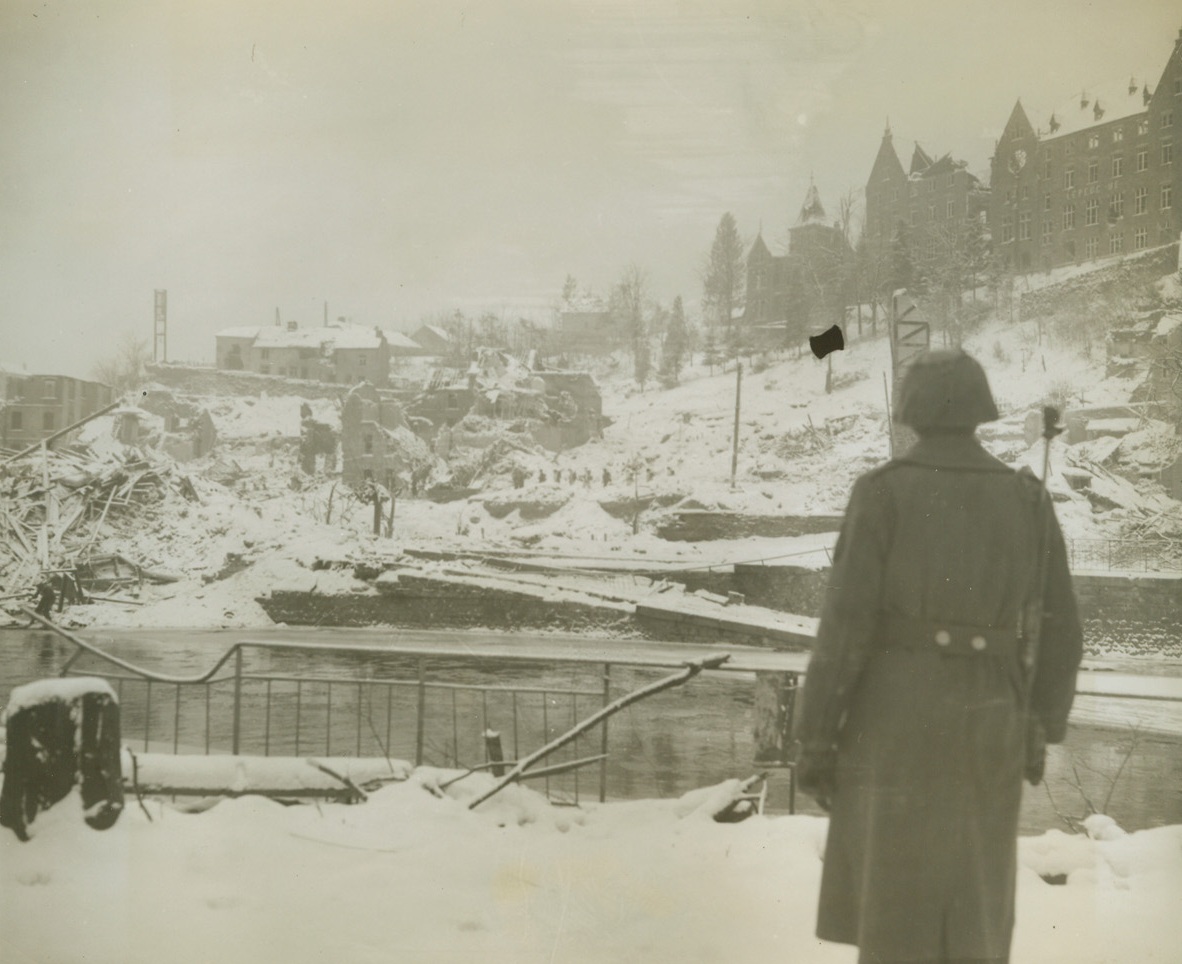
(687, 737)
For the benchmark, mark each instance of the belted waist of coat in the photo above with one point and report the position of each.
(905, 632)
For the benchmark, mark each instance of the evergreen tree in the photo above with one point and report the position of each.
(674, 344)
(723, 277)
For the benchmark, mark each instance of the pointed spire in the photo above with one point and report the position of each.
(886, 134)
(1145, 95)
(812, 211)
(1132, 86)
(1054, 124)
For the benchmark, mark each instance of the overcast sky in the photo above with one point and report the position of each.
(398, 159)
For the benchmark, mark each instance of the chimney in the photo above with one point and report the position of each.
(1083, 99)
(293, 325)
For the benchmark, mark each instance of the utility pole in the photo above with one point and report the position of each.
(160, 327)
(738, 398)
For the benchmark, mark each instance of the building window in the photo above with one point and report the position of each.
(1092, 247)
(1143, 127)
(931, 212)
(265, 353)
(47, 421)
(1048, 230)
(1140, 238)
(1024, 226)
(1167, 197)
(1046, 202)
(1046, 168)
(360, 361)
(1118, 206)
(1167, 118)
(1116, 243)
(1093, 171)
(1142, 161)
(452, 403)
(1069, 178)
(15, 421)
(1007, 228)
(1141, 200)
(1068, 217)
(1118, 135)
(1177, 86)
(1025, 192)
(1069, 247)
(1118, 166)
(1167, 153)
(1092, 212)
(1093, 141)
(950, 210)
(49, 388)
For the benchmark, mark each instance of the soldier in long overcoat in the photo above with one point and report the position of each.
(927, 697)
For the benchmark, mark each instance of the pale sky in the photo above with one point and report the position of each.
(398, 158)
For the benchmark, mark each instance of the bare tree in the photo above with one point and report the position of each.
(627, 308)
(126, 369)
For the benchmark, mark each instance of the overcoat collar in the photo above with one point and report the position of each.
(952, 451)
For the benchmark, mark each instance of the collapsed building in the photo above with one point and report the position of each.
(558, 409)
(377, 444)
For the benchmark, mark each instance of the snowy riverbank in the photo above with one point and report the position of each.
(413, 877)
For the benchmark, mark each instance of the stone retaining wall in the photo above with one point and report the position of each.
(1131, 615)
(701, 525)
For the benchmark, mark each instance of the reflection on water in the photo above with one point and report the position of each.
(677, 740)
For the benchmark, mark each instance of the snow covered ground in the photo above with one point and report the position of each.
(411, 876)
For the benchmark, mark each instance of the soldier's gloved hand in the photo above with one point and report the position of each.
(816, 773)
(1036, 751)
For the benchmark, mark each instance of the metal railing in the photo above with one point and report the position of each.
(430, 707)
(1128, 555)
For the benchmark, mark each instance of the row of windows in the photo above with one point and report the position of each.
(1117, 169)
(1116, 210)
(16, 420)
(1165, 121)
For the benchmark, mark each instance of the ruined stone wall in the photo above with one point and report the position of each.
(1081, 295)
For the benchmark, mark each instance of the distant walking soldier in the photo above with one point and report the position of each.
(945, 660)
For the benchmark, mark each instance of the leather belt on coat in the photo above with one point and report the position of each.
(905, 632)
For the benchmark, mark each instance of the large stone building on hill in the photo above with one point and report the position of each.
(799, 292)
(1094, 177)
(915, 217)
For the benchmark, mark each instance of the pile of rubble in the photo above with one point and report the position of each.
(54, 505)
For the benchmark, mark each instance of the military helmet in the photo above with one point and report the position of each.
(945, 390)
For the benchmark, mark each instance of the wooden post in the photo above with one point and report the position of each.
(237, 734)
(735, 442)
(494, 752)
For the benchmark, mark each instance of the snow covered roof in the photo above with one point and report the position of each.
(1089, 107)
(397, 339)
(327, 337)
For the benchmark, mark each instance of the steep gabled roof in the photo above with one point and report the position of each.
(921, 160)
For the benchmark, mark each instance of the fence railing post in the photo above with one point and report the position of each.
(237, 732)
(607, 696)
